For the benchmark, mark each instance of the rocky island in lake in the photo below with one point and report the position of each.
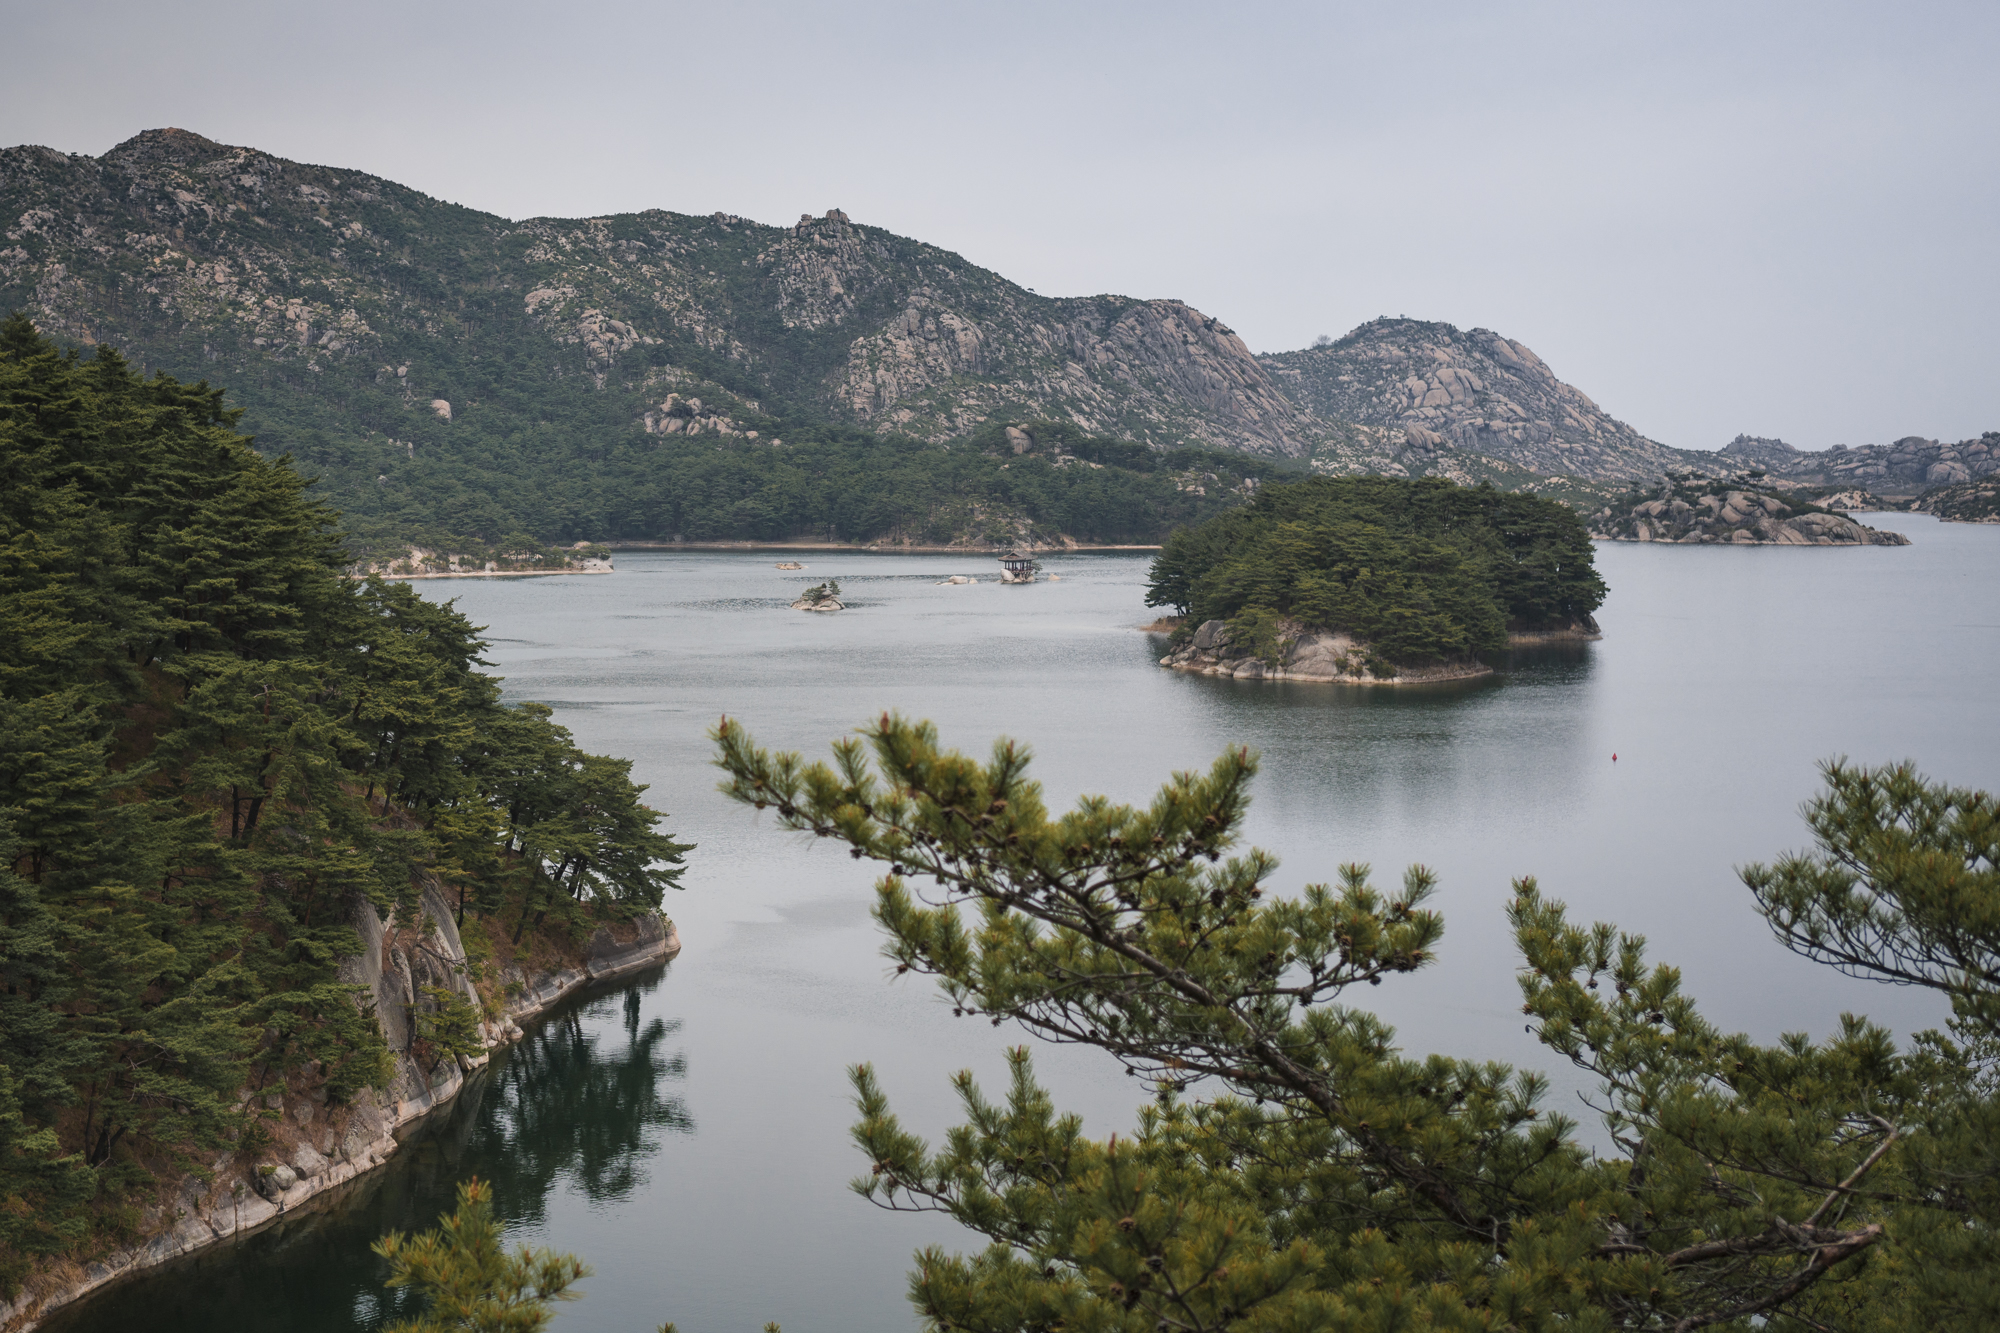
(1696, 510)
(821, 597)
(1375, 580)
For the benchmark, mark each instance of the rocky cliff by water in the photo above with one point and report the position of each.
(1698, 510)
(306, 1144)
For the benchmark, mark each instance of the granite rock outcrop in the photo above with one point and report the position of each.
(1304, 653)
(1439, 387)
(824, 597)
(1906, 468)
(1700, 511)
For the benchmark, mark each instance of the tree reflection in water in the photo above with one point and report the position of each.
(571, 1106)
(563, 1111)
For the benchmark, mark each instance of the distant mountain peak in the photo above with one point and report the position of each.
(166, 145)
(1472, 389)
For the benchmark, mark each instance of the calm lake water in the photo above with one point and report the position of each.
(687, 1134)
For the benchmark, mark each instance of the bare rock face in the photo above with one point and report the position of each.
(1702, 511)
(1757, 451)
(637, 944)
(307, 1161)
(273, 1181)
(1470, 389)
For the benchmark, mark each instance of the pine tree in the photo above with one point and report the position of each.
(214, 746)
(1323, 1179)
(467, 1280)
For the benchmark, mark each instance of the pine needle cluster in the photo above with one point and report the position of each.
(1296, 1170)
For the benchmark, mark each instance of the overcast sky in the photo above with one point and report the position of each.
(1777, 219)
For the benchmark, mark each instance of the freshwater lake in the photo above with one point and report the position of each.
(687, 1133)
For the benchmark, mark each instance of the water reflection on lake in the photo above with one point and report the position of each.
(581, 1106)
(1724, 676)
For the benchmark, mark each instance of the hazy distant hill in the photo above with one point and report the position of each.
(367, 327)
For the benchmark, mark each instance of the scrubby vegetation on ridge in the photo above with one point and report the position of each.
(1422, 570)
(213, 748)
(1967, 502)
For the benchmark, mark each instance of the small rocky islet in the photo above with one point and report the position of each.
(821, 597)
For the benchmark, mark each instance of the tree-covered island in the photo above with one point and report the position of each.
(1374, 578)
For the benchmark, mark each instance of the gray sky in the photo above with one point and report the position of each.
(1712, 218)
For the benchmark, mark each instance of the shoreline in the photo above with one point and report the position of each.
(1334, 658)
(235, 1209)
(489, 574)
(851, 549)
(833, 548)
(1253, 668)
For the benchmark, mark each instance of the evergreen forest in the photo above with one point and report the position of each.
(214, 748)
(463, 490)
(1423, 570)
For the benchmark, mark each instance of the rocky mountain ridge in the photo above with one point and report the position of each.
(357, 318)
(196, 254)
(1438, 386)
(1905, 468)
(364, 324)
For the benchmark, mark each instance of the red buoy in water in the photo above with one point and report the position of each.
(1614, 758)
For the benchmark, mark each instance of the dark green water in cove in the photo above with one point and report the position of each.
(687, 1133)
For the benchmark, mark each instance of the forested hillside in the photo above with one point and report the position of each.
(213, 748)
(449, 370)
(1036, 483)
(1422, 571)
